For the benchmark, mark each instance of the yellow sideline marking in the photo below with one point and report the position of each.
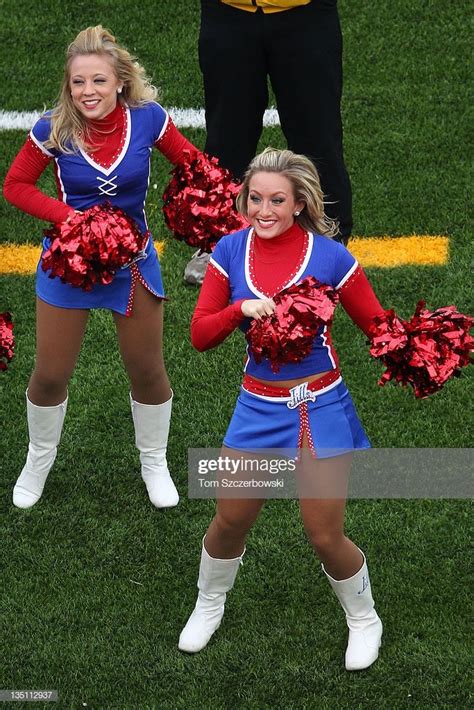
(400, 251)
(374, 251)
(23, 258)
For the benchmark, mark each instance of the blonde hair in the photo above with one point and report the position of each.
(69, 128)
(304, 178)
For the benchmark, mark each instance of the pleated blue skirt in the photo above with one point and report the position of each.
(330, 423)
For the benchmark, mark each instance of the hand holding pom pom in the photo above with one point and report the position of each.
(7, 340)
(91, 246)
(425, 351)
(287, 334)
(199, 202)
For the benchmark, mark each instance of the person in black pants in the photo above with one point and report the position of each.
(300, 49)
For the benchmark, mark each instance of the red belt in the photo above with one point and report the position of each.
(256, 387)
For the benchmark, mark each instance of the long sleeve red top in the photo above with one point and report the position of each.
(104, 138)
(274, 260)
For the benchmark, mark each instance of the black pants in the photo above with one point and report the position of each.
(301, 51)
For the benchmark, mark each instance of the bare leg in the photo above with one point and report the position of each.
(225, 537)
(141, 345)
(343, 563)
(323, 517)
(140, 339)
(59, 334)
(221, 556)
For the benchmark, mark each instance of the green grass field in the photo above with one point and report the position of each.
(96, 583)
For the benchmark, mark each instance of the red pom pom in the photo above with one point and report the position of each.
(287, 334)
(90, 247)
(199, 202)
(425, 351)
(7, 340)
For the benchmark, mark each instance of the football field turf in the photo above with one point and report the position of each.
(96, 583)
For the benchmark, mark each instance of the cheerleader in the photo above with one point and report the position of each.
(99, 139)
(304, 407)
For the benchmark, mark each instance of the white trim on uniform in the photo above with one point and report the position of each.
(323, 390)
(40, 145)
(120, 157)
(61, 184)
(327, 346)
(292, 281)
(307, 257)
(248, 280)
(219, 267)
(348, 275)
(165, 124)
(146, 191)
(247, 354)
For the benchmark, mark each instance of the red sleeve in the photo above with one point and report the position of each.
(213, 318)
(172, 144)
(359, 300)
(20, 186)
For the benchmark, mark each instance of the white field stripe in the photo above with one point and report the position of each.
(183, 118)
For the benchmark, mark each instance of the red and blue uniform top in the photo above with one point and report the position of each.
(83, 180)
(244, 266)
(115, 168)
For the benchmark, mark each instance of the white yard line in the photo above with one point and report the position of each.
(183, 118)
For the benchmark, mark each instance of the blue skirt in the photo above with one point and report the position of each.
(330, 423)
(116, 296)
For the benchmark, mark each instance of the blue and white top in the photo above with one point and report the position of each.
(82, 183)
(324, 259)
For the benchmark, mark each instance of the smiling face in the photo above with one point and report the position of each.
(93, 84)
(271, 204)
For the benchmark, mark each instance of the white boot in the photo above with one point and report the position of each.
(216, 577)
(365, 627)
(44, 427)
(152, 424)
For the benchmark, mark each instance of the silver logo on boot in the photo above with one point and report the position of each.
(365, 584)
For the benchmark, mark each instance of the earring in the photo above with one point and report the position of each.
(297, 214)
(119, 91)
